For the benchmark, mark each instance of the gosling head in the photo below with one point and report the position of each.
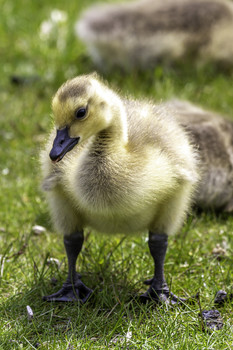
(82, 107)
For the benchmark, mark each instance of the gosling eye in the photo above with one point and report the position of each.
(81, 113)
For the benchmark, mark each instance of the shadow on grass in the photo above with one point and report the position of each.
(108, 312)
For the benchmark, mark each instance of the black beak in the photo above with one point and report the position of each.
(62, 144)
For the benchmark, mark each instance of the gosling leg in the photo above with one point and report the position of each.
(158, 290)
(73, 289)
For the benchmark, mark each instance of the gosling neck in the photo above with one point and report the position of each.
(118, 128)
(112, 139)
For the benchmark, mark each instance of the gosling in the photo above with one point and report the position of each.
(144, 33)
(116, 166)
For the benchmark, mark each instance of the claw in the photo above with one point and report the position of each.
(70, 292)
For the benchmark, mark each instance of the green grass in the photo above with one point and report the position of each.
(115, 267)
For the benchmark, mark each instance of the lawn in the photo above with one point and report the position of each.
(33, 65)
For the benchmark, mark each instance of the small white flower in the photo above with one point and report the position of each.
(53, 31)
(58, 16)
(37, 229)
(128, 336)
(54, 261)
(5, 171)
(29, 313)
(46, 29)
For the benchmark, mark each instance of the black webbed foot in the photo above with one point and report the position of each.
(163, 295)
(158, 290)
(160, 296)
(73, 289)
(71, 292)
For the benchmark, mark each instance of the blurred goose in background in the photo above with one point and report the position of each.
(117, 165)
(212, 134)
(144, 33)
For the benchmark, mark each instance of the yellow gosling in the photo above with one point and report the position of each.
(116, 166)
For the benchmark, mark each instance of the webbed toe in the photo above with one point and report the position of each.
(71, 292)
